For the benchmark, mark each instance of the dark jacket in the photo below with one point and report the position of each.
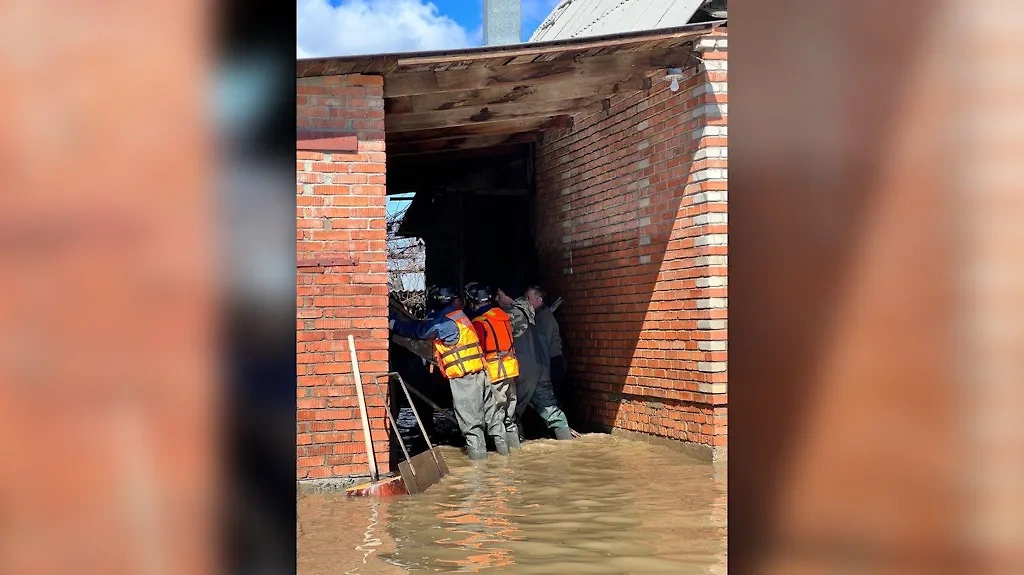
(531, 348)
(435, 326)
(548, 326)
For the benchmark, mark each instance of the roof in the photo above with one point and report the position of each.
(505, 95)
(544, 50)
(582, 18)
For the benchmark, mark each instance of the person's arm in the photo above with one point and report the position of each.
(429, 329)
(554, 337)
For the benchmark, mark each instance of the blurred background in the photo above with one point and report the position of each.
(147, 294)
(147, 308)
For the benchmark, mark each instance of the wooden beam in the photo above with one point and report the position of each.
(488, 114)
(495, 128)
(464, 143)
(470, 57)
(582, 69)
(556, 47)
(523, 94)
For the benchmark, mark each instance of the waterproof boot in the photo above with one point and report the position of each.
(512, 440)
(500, 445)
(476, 454)
(562, 433)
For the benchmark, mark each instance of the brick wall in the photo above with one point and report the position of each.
(342, 272)
(632, 232)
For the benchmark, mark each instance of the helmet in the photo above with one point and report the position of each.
(438, 297)
(478, 293)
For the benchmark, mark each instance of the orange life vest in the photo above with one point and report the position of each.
(463, 358)
(496, 341)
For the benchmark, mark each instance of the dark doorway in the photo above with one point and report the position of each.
(472, 214)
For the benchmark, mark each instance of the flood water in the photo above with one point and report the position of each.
(599, 504)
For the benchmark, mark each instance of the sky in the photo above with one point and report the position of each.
(344, 27)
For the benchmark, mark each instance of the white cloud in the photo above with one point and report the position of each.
(374, 27)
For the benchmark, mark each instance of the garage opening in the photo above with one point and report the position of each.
(454, 217)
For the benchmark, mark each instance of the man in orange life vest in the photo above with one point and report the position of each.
(494, 329)
(459, 356)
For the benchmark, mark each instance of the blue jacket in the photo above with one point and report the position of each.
(435, 326)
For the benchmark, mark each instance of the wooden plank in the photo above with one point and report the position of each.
(317, 68)
(647, 39)
(384, 488)
(464, 143)
(445, 66)
(593, 52)
(503, 95)
(666, 44)
(487, 114)
(610, 66)
(524, 59)
(512, 127)
(579, 46)
(486, 62)
(546, 57)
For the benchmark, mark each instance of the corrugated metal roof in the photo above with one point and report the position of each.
(581, 18)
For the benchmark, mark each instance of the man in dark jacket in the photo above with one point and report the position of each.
(547, 325)
(460, 358)
(533, 388)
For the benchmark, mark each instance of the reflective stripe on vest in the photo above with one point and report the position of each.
(497, 345)
(466, 356)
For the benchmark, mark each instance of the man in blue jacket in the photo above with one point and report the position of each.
(460, 358)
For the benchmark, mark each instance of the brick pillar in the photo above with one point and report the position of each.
(341, 273)
(708, 178)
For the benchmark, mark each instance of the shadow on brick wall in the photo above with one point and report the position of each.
(623, 221)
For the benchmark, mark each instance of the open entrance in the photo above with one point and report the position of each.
(453, 218)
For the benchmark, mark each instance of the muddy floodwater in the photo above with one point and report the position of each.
(599, 504)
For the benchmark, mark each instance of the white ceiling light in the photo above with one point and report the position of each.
(674, 75)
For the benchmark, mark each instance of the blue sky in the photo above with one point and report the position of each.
(343, 27)
(469, 13)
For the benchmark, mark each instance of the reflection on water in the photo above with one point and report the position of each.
(600, 504)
